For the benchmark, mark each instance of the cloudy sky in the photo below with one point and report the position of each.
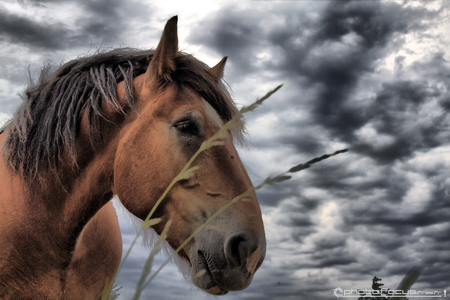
(371, 76)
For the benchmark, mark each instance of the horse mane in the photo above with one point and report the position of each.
(48, 122)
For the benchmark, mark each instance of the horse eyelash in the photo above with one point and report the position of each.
(186, 124)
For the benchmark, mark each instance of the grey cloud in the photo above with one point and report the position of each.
(106, 21)
(292, 135)
(269, 197)
(334, 73)
(323, 62)
(396, 111)
(374, 24)
(40, 2)
(299, 233)
(330, 242)
(324, 59)
(21, 30)
(101, 23)
(228, 35)
(298, 220)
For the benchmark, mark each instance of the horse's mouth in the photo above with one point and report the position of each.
(204, 278)
(216, 291)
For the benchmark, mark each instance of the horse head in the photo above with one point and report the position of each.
(180, 104)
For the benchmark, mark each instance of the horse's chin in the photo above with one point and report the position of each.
(218, 282)
(207, 284)
(216, 290)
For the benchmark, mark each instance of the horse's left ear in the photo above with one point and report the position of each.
(218, 69)
(163, 61)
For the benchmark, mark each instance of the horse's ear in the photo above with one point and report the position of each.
(218, 69)
(163, 60)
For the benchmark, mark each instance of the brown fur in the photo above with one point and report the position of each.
(59, 234)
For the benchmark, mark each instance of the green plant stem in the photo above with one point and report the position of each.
(221, 133)
(149, 261)
(243, 196)
(200, 228)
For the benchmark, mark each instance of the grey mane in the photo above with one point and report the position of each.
(48, 122)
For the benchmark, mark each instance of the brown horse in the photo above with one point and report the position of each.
(123, 122)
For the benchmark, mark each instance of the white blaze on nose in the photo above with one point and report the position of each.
(252, 261)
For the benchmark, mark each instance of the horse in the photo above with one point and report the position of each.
(124, 123)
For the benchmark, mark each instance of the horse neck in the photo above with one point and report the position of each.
(59, 204)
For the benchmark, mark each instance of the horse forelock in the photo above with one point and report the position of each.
(48, 121)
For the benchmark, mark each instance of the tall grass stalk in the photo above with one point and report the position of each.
(243, 197)
(185, 173)
(409, 279)
(149, 262)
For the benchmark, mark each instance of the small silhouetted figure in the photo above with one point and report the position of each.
(376, 285)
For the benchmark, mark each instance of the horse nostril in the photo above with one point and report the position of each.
(237, 249)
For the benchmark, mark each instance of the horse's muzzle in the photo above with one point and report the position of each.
(222, 264)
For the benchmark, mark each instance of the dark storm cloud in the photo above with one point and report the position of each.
(107, 21)
(338, 180)
(404, 237)
(21, 30)
(281, 283)
(398, 108)
(373, 22)
(379, 200)
(371, 25)
(100, 23)
(40, 2)
(331, 54)
(330, 242)
(326, 59)
(305, 141)
(397, 219)
(232, 35)
(270, 197)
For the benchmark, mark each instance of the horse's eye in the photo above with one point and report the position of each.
(187, 127)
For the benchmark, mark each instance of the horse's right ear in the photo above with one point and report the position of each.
(218, 70)
(163, 60)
